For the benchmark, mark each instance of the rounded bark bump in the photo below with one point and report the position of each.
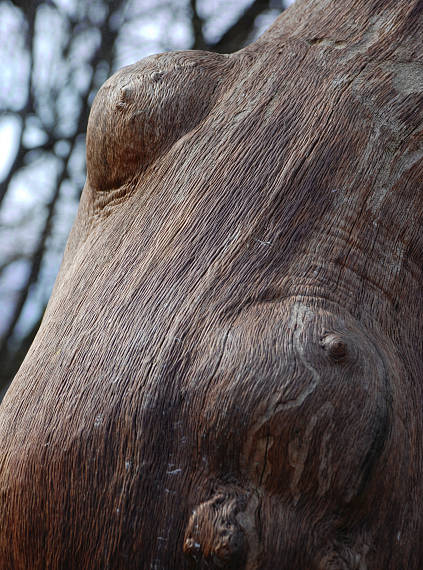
(144, 108)
(335, 346)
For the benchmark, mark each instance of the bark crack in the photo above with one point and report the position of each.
(265, 458)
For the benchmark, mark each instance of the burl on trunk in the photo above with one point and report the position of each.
(229, 371)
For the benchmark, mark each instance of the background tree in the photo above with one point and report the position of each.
(54, 56)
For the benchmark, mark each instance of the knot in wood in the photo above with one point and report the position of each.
(215, 536)
(335, 346)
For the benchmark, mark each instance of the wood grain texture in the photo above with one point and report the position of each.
(229, 371)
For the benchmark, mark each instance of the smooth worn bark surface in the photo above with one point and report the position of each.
(229, 371)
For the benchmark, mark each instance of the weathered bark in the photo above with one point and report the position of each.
(229, 371)
(12, 346)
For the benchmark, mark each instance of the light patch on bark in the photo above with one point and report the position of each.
(300, 315)
(247, 522)
(407, 76)
(379, 25)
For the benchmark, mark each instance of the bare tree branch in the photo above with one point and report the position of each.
(12, 259)
(19, 159)
(197, 27)
(237, 35)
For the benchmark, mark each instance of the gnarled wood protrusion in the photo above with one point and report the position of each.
(143, 109)
(214, 535)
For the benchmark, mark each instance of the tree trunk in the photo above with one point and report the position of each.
(229, 371)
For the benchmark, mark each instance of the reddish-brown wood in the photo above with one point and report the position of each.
(229, 371)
